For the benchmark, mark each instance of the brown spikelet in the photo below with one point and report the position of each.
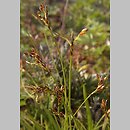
(83, 32)
(100, 83)
(39, 90)
(61, 114)
(103, 104)
(41, 7)
(38, 59)
(59, 93)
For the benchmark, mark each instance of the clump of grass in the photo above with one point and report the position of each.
(52, 102)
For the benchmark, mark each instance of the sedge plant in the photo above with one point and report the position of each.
(51, 107)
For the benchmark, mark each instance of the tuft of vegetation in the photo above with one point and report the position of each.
(65, 65)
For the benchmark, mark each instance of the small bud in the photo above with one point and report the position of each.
(41, 8)
(61, 114)
(83, 31)
(108, 111)
(100, 88)
(103, 104)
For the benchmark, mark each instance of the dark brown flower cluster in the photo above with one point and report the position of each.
(39, 90)
(59, 93)
(61, 114)
(37, 59)
(42, 14)
(101, 81)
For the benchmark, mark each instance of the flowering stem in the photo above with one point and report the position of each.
(85, 101)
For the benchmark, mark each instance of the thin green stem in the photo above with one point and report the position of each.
(41, 118)
(52, 58)
(70, 80)
(64, 15)
(99, 121)
(65, 93)
(61, 60)
(85, 101)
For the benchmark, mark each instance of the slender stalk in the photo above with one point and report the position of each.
(35, 116)
(85, 101)
(99, 121)
(105, 123)
(52, 58)
(61, 60)
(70, 80)
(64, 15)
(41, 118)
(65, 93)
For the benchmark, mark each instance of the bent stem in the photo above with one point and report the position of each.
(85, 101)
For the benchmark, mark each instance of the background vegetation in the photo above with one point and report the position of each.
(65, 65)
